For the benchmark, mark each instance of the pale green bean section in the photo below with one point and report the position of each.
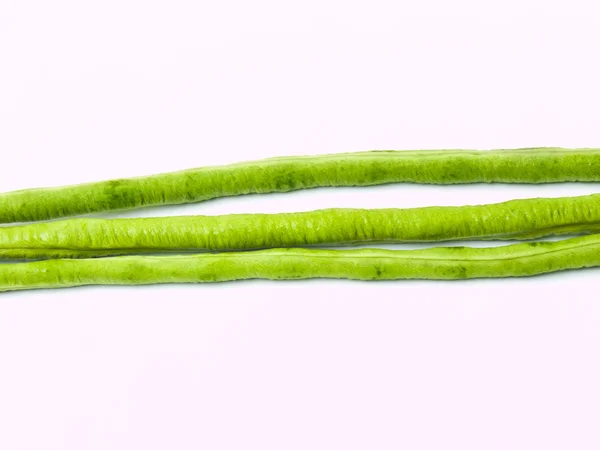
(515, 219)
(515, 260)
(536, 165)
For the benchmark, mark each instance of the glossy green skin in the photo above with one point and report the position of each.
(452, 263)
(537, 165)
(515, 219)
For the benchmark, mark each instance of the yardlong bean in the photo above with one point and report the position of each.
(537, 165)
(515, 219)
(515, 260)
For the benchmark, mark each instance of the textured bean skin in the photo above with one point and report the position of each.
(515, 260)
(515, 219)
(538, 165)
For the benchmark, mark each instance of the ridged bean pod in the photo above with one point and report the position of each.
(515, 219)
(536, 165)
(451, 263)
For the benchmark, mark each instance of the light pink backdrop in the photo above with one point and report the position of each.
(94, 90)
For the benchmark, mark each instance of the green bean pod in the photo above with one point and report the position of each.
(515, 219)
(536, 165)
(517, 260)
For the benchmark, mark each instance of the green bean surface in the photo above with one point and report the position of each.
(515, 219)
(451, 263)
(537, 165)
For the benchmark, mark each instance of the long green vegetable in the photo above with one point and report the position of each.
(283, 264)
(515, 219)
(541, 165)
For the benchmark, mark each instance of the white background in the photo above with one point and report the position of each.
(97, 90)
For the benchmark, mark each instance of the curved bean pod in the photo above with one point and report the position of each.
(515, 219)
(538, 165)
(451, 263)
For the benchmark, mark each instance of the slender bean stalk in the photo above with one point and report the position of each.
(537, 165)
(517, 260)
(515, 219)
